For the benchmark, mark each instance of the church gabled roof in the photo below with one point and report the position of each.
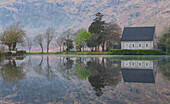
(138, 34)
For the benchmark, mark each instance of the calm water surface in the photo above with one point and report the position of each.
(85, 79)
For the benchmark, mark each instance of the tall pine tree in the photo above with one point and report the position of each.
(97, 28)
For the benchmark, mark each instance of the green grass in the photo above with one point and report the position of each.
(43, 53)
(72, 53)
(111, 52)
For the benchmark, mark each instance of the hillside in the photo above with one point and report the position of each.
(37, 15)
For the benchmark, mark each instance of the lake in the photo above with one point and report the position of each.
(59, 79)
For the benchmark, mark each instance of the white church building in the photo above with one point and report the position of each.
(139, 38)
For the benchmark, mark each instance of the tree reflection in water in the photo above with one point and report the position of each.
(99, 73)
(164, 67)
(65, 67)
(45, 71)
(12, 73)
(81, 69)
(39, 67)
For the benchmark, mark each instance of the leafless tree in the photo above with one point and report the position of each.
(39, 40)
(112, 35)
(29, 43)
(69, 34)
(60, 41)
(49, 35)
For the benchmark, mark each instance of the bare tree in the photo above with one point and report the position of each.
(39, 40)
(112, 35)
(29, 43)
(60, 41)
(69, 34)
(49, 35)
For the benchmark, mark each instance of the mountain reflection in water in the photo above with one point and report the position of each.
(56, 79)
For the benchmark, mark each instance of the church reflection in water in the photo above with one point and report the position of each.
(139, 71)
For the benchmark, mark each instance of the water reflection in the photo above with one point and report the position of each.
(11, 72)
(165, 68)
(45, 70)
(139, 71)
(66, 79)
(103, 74)
(100, 72)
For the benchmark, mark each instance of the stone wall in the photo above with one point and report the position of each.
(137, 45)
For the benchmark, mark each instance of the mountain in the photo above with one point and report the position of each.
(36, 15)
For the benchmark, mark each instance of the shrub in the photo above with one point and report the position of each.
(136, 52)
(20, 52)
(59, 53)
(9, 53)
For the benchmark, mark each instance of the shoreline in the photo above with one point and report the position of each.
(91, 53)
(102, 55)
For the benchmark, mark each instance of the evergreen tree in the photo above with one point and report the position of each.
(97, 28)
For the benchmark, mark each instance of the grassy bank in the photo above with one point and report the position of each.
(72, 53)
(111, 52)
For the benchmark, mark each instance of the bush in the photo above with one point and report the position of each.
(20, 52)
(59, 53)
(136, 52)
(9, 53)
(87, 53)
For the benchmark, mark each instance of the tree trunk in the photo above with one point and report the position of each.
(60, 48)
(63, 48)
(98, 48)
(9, 47)
(14, 46)
(92, 49)
(103, 46)
(41, 48)
(83, 48)
(68, 44)
(48, 47)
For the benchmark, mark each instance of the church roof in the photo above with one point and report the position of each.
(138, 34)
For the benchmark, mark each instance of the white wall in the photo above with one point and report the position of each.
(137, 45)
